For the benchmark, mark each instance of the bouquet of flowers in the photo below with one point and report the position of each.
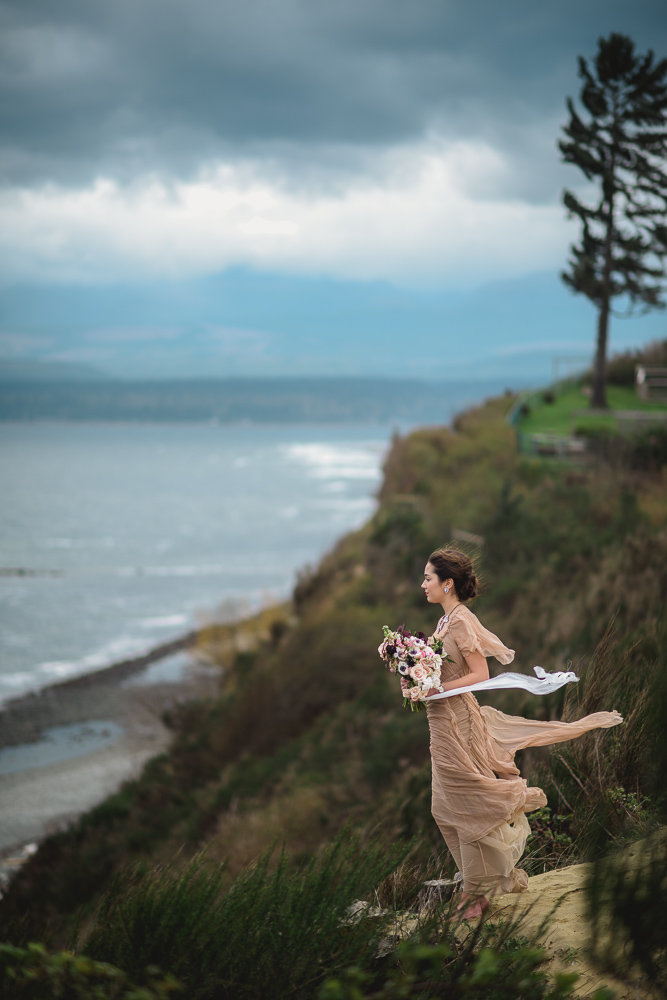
(417, 660)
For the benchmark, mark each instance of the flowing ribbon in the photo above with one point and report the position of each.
(542, 683)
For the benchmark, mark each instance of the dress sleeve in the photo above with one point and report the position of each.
(471, 637)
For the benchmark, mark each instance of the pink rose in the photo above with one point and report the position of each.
(415, 694)
(418, 672)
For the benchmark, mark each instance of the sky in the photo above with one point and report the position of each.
(296, 186)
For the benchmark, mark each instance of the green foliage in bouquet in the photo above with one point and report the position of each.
(417, 660)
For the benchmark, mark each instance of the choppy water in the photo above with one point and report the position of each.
(127, 535)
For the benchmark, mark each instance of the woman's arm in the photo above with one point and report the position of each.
(479, 671)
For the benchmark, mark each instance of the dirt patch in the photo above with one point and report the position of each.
(555, 902)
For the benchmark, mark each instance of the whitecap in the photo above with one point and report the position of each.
(116, 651)
(57, 668)
(14, 680)
(165, 621)
(326, 461)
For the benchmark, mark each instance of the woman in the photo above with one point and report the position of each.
(479, 799)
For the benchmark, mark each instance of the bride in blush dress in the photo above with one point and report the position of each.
(479, 798)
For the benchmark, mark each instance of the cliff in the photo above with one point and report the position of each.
(307, 736)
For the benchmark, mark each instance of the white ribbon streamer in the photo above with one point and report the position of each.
(542, 683)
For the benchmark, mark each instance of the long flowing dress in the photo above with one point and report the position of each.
(479, 798)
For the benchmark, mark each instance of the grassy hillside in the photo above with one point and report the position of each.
(550, 412)
(308, 736)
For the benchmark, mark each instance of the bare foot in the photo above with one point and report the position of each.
(470, 908)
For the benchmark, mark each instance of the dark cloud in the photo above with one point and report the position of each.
(123, 88)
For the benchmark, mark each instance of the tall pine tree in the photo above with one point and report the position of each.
(620, 145)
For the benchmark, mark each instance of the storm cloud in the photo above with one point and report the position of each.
(310, 89)
(332, 146)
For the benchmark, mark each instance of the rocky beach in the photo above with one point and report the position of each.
(67, 747)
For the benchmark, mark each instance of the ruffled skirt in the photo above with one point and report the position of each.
(479, 798)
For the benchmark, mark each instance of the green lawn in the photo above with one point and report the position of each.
(555, 418)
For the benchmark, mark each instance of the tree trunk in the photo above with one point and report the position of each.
(599, 395)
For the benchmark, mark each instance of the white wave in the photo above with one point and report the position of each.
(364, 504)
(189, 570)
(50, 671)
(113, 652)
(165, 621)
(56, 668)
(327, 461)
(18, 679)
(105, 542)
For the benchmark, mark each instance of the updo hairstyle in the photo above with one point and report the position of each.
(450, 563)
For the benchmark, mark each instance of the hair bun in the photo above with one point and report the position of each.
(452, 563)
(468, 587)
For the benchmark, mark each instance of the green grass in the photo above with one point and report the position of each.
(556, 418)
(274, 933)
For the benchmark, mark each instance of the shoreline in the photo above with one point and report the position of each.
(40, 800)
(114, 672)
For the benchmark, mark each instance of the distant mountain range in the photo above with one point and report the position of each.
(252, 400)
(247, 324)
(253, 325)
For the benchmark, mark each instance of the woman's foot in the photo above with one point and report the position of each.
(471, 908)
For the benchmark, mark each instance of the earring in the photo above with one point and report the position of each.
(446, 590)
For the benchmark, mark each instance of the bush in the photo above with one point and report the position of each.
(272, 934)
(422, 970)
(621, 367)
(626, 906)
(612, 782)
(642, 451)
(33, 973)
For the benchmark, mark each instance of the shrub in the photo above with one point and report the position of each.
(626, 906)
(33, 973)
(621, 367)
(612, 781)
(272, 934)
(421, 970)
(641, 451)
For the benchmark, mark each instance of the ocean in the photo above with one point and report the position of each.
(115, 538)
